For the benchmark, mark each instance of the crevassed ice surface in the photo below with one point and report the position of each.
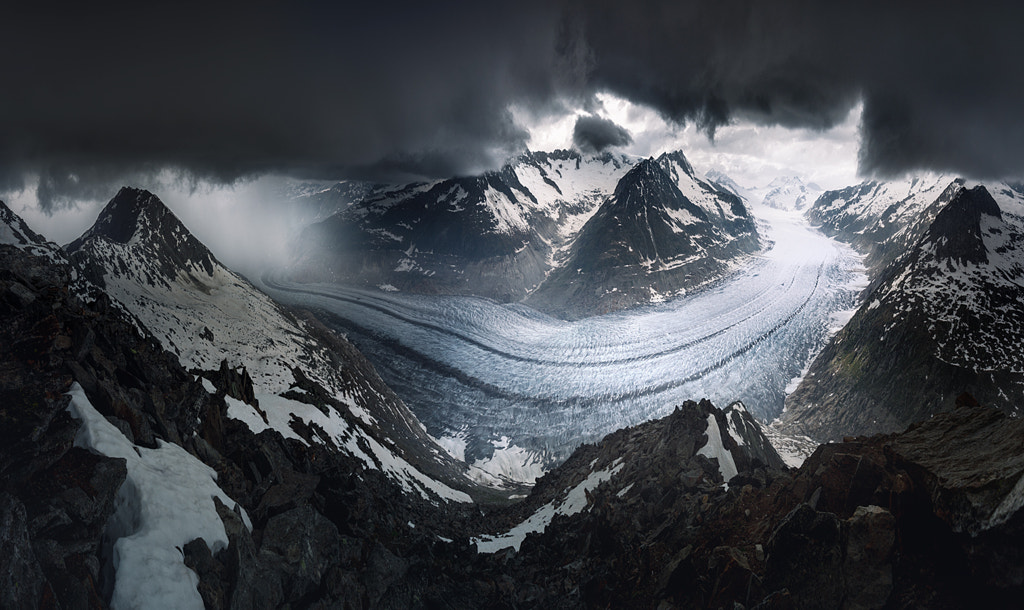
(477, 370)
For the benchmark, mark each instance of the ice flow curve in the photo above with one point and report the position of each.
(482, 370)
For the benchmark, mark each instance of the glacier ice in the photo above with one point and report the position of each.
(485, 370)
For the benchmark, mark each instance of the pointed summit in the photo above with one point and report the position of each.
(956, 232)
(646, 186)
(674, 162)
(649, 241)
(129, 210)
(137, 219)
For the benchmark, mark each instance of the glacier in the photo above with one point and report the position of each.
(488, 373)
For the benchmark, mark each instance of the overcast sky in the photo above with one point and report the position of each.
(216, 93)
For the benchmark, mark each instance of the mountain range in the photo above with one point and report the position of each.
(529, 232)
(787, 193)
(174, 438)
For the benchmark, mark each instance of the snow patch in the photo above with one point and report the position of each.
(715, 449)
(512, 463)
(574, 502)
(280, 411)
(208, 385)
(165, 502)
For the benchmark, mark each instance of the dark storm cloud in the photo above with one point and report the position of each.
(224, 92)
(942, 82)
(421, 89)
(594, 134)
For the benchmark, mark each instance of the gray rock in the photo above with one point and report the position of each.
(248, 584)
(868, 564)
(22, 583)
(304, 544)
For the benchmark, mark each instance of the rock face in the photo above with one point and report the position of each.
(867, 523)
(944, 318)
(532, 230)
(492, 235)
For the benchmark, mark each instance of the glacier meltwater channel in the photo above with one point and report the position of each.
(486, 375)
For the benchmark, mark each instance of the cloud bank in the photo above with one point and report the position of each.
(396, 91)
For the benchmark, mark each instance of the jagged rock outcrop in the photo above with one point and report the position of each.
(927, 518)
(57, 498)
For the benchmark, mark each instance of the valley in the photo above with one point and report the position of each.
(515, 390)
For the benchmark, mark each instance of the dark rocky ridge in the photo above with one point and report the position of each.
(883, 235)
(138, 214)
(460, 249)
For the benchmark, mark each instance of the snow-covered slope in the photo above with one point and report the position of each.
(14, 232)
(946, 317)
(883, 219)
(146, 260)
(724, 208)
(788, 193)
(142, 255)
(966, 277)
(725, 181)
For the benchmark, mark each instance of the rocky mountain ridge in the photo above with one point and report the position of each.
(505, 234)
(943, 318)
(214, 320)
(647, 242)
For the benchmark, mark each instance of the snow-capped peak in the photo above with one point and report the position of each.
(724, 181)
(138, 219)
(789, 193)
